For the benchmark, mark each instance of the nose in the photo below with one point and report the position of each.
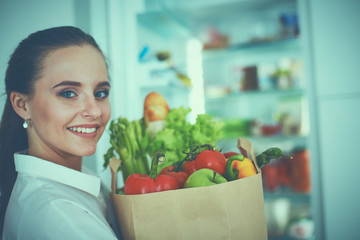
(91, 108)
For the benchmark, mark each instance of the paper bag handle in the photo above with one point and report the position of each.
(244, 144)
(114, 166)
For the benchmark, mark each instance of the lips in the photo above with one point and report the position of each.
(84, 130)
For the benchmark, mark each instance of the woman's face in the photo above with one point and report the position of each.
(70, 107)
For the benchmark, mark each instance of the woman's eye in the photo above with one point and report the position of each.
(101, 94)
(67, 94)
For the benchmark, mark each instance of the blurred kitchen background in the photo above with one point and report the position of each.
(279, 72)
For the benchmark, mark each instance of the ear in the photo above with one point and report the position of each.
(19, 104)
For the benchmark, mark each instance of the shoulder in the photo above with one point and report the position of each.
(57, 217)
(72, 220)
(41, 208)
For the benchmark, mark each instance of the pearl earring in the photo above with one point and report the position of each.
(25, 124)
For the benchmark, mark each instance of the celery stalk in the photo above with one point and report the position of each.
(128, 142)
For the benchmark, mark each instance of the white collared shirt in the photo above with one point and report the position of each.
(50, 201)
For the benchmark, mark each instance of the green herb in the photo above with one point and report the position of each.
(178, 134)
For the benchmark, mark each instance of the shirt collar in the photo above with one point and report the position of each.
(46, 169)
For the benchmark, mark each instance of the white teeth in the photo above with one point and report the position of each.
(83, 130)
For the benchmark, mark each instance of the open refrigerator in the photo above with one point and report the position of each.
(242, 63)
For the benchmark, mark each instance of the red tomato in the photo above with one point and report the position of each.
(189, 167)
(211, 159)
(180, 176)
(166, 169)
(140, 184)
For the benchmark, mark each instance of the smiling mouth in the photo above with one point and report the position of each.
(83, 130)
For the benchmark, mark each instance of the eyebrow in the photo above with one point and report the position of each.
(104, 84)
(78, 84)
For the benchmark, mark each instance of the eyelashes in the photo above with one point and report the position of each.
(99, 94)
(102, 94)
(67, 94)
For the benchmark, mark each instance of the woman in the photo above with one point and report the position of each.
(56, 110)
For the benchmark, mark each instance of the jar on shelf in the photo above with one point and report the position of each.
(300, 171)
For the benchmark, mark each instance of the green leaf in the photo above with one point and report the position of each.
(179, 134)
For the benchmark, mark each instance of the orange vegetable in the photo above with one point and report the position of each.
(245, 167)
(239, 167)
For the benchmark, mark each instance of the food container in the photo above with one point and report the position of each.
(232, 210)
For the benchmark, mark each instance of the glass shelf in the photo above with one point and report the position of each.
(164, 85)
(164, 24)
(257, 93)
(295, 198)
(286, 143)
(287, 238)
(279, 138)
(289, 44)
(272, 138)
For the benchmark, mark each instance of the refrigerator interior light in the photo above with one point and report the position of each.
(194, 69)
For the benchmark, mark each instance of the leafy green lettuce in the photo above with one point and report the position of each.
(178, 135)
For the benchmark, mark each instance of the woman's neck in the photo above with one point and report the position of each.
(73, 162)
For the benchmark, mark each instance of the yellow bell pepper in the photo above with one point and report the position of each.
(238, 166)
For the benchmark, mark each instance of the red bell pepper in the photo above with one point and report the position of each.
(139, 183)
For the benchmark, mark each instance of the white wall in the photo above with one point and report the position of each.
(335, 36)
(20, 18)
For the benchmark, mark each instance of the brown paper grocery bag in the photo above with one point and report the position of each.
(232, 210)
